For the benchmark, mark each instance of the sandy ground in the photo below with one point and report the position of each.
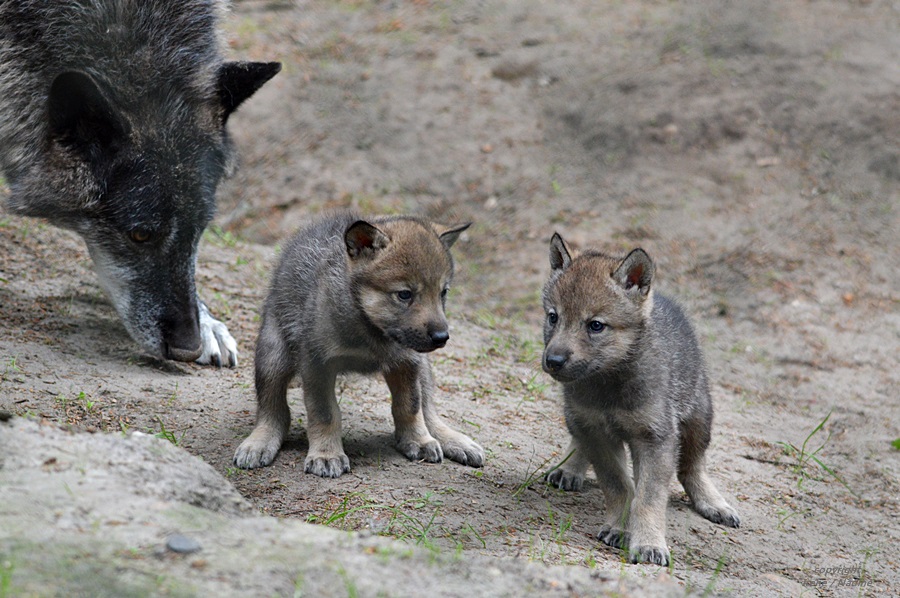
(750, 148)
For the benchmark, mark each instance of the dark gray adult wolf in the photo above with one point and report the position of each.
(112, 124)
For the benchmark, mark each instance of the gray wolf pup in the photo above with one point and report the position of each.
(112, 124)
(356, 296)
(632, 374)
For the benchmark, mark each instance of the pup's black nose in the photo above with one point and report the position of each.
(553, 362)
(439, 338)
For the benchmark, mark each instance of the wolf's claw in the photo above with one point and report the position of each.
(219, 347)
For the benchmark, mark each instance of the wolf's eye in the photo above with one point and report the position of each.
(552, 318)
(139, 235)
(596, 326)
(404, 295)
(444, 293)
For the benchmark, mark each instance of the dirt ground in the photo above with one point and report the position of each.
(750, 148)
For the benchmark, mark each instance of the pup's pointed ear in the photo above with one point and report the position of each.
(237, 81)
(364, 240)
(449, 235)
(559, 253)
(635, 272)
(80, 116)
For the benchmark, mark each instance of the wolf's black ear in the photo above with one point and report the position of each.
(559, 254)
(364, 240)
(635, 272)
(80, 116)
(237, 81)
(448, 236)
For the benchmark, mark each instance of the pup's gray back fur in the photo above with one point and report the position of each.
(314, 301)
(112, 123)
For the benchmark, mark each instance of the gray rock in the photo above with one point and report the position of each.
(182, 544)
(93, 524)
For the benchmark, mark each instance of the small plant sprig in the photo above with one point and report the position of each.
(167, 434)
(805, 458)
(400, 525)
(535, 473)
(530, 477)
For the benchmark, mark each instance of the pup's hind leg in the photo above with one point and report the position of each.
(456, 445)
(326, 457)
(273, 416)
(413, 438)
(569, 475)
(692, 474)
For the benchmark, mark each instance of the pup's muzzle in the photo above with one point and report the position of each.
(553, 362)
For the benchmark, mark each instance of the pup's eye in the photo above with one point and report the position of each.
(596, 326)
(444, 293)
(139, 235)
(552, 318)
(404, 295)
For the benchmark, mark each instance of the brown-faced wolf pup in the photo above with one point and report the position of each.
(356, 296)
(632, 374)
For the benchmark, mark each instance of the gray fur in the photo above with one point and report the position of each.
(334, 307)
(638, 380)
(112, 124)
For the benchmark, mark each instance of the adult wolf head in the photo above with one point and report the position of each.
(113, 123)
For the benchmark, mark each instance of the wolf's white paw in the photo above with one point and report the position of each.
(219, 347)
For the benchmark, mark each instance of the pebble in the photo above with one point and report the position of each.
(182, 544)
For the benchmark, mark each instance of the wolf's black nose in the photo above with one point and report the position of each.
(439, 338)
(555, 361)
(178, 354)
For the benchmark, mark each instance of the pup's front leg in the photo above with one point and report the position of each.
(608, 458)
(219, 347)
(413, 438)
(326, 457)
(456, 445)
(654, 467)
(274, 371)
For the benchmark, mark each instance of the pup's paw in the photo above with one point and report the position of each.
(219, 347)
(613, 536)
(327, 466)
(428, 451)
(654, 555)
(253, 453)
(723, 514)
(463, 449)
(565, 480)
